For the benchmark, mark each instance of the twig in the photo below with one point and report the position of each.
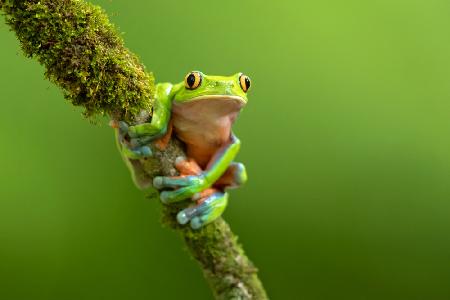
(84, 55)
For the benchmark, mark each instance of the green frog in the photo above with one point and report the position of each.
(200, 112)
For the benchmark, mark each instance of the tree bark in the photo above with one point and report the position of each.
(84, 55)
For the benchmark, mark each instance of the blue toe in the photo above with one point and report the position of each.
(158, 182)
(182, 218)
(146, 151)
(164, 196)
(196, 223)
(123, 127)
(134, 143)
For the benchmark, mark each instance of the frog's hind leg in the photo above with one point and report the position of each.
(234, 177)
(211, 202)
(207, 210)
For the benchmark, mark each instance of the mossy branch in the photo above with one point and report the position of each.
(84, 55)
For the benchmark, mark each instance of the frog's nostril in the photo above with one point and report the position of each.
(229, 90)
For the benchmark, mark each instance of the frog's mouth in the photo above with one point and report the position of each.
(238, 100)
(210, 106)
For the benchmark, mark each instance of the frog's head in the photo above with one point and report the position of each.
(229, 91)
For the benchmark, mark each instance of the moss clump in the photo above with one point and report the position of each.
(83, 54)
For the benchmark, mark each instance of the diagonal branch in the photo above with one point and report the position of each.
(84, 55)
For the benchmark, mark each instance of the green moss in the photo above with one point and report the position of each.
(226, 267)
(83, 54)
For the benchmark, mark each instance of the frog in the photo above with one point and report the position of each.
(199, 111)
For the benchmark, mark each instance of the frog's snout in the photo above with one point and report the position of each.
(225, 86)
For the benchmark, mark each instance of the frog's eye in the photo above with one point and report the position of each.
(193, 80)
(245, 82)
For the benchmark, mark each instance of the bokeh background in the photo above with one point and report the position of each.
(346, 139)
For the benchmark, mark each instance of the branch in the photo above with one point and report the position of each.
(84, 55)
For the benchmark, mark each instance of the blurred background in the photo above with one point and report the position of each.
(346, 139)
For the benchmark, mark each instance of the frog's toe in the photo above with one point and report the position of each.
(132, 132)
(141, 152)
(138, 152)
(140, 141)
(192, 182)
(145, 151)
(196, 223)
(205, 212)
(123, 127)
(214, 210)
(189, 214)
(180, 194)
(184, 216)
(161, 182)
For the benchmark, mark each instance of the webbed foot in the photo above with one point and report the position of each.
(189, 183)
(209, 208)
(132, 146)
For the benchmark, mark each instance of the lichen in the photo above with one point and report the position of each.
(82, 53)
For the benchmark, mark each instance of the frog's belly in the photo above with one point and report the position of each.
(202, 139)
(203, 129)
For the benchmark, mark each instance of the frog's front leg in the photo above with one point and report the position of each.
(126, 148)
(190, 185)
(134, 140)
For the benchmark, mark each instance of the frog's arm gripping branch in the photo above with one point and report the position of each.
(161, 115)
(83, 54)
(142, 134)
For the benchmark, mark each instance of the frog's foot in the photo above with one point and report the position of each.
(208, 209)
(185, 187)
(234, 177)
(134, 148)
(191, 182)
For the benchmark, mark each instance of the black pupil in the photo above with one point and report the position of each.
(247, 82)
(191, 80)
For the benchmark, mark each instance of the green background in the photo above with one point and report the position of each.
(346, 139)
